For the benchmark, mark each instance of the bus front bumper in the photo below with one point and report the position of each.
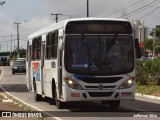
(94, 95)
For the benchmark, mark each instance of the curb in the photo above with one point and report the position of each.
(147, 96)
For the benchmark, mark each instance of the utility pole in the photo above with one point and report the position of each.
(11, 43)
(154, 42)
(87, 8)
(56, 16)
(17, 38)
(7, 46)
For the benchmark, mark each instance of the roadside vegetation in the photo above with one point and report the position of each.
(148, 69)
(148, 77)
(148, 90)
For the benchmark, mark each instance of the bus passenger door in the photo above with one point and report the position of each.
(42, 64)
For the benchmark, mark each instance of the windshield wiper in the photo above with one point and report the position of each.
(112, 43)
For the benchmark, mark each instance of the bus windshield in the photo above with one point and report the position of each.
(99, 54)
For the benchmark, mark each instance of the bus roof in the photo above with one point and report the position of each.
(63, 23)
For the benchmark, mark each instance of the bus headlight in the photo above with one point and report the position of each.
(72, 84)
(126, 84)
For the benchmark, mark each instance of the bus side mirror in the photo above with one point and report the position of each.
(137, 48)
(60, 34)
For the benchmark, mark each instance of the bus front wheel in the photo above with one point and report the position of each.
(37, 97)
(57, 102)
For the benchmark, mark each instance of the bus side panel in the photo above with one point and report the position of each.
(36, 75)
(49, 72)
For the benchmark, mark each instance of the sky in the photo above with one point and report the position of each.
(36, 14)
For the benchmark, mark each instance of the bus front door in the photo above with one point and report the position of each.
(29, 83)
(42, 66)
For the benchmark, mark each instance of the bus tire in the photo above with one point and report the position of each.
(37, 97)
(53, 91)
(57, 102)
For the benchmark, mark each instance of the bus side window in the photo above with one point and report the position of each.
(51, 45)
(39, 47)
(55, 44)
(33, 49)
(47, 48)
(36, 48)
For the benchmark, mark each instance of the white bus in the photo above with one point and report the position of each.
(85, 59)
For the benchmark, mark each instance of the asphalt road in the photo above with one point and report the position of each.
(142, 107)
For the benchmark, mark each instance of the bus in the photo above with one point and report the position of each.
(5, 58)
(82, 59)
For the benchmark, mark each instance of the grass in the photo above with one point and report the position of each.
(148, 89)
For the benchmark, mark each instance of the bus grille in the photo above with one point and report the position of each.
(99, 80)
(105, 87)
(100, 94)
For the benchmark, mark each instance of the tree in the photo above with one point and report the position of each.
(22, 53)
(148, 44)
(157, 40)
(157, 34)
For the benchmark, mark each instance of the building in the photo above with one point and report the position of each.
(140, 31)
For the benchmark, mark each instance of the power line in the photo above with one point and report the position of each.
(13, 35)
(149, 13)
(113, 13)
(46, 19)
(145, 9)
(71, 15)
(138, 9)
(12, 40)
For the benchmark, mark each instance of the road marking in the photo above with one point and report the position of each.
(57, 118)
(137, 109)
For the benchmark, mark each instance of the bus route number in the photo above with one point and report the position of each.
(75, 94)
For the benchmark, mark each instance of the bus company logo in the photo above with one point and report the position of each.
(100, 86)
(6, 114)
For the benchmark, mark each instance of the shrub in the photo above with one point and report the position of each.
(148, 72)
